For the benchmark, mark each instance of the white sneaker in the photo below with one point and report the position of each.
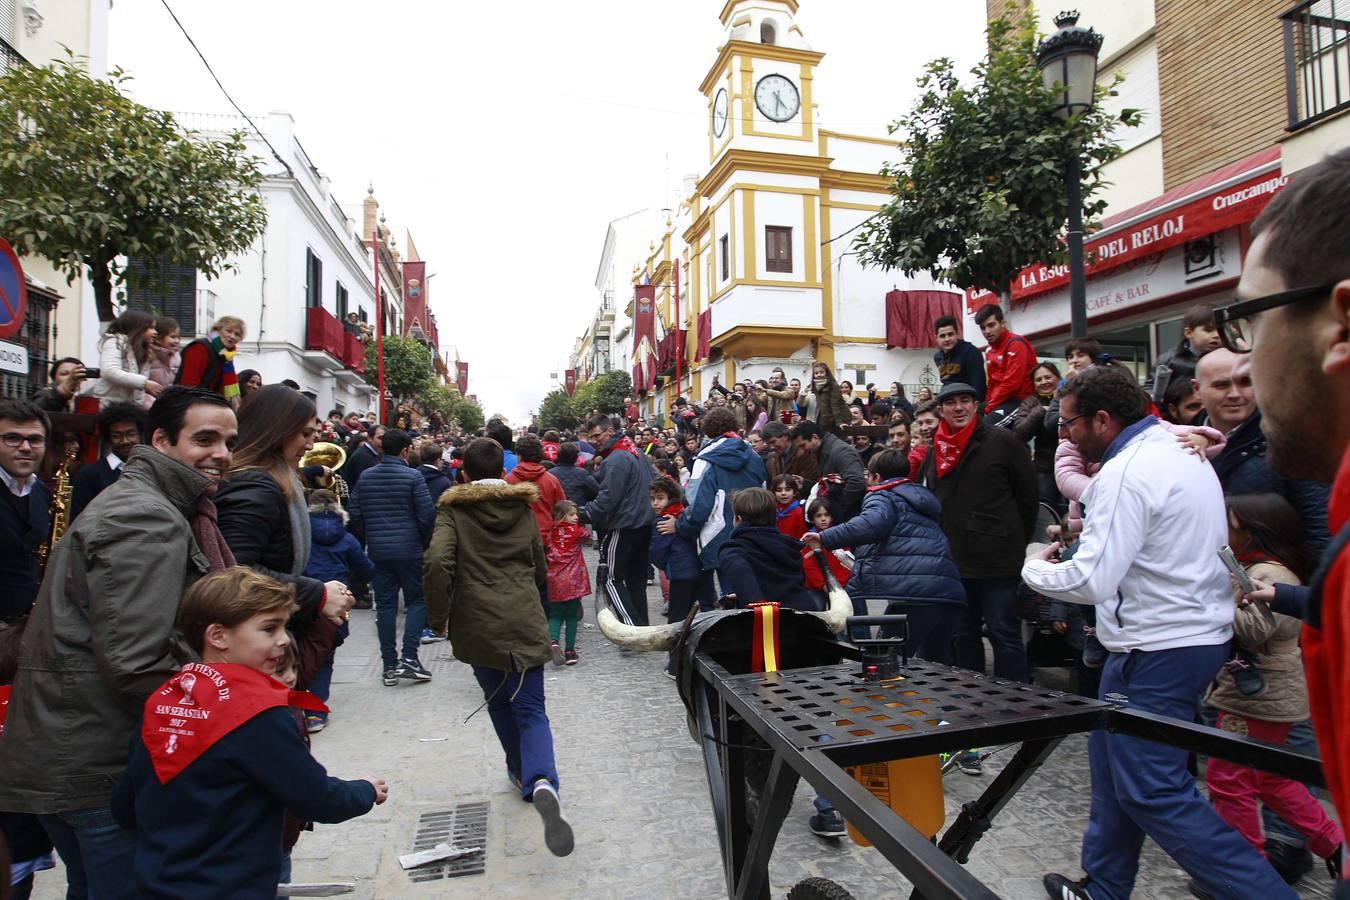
(557, 831)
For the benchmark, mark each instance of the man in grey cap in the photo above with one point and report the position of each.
(985, 480)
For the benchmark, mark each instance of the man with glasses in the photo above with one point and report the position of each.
(1293, 318)
(623, 510)
(25, 510)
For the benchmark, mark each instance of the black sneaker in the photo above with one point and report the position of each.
(413, 670)
(1059, 887)
(391, 676)
(1334, 862)
(1291, 862)
(557, 831)
(828, 825)
(1246, 676)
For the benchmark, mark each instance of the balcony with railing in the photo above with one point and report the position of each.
(333, 348)
(1316, 61)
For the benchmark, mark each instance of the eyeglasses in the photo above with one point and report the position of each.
(1235, 321)
(13, 440)
(1065, 423)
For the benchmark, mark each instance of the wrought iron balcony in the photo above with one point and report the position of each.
(1316, 60)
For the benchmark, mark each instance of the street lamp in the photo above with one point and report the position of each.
(1068, 63)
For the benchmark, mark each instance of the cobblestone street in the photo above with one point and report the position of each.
(634, 790)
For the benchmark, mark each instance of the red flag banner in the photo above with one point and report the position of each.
(637, 377)
(644, 315)
(571, 381)
(704, 334)
(462, 378)
(910, 316)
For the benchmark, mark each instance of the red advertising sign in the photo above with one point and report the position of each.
(462, 378)
(571, 381)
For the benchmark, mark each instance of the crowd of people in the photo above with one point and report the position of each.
(1079, 506)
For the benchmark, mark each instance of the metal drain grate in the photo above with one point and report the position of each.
(463, 826)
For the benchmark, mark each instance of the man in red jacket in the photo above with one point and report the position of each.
(1009, 361)
(1293, 317)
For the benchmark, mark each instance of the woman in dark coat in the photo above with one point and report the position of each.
(1034, 426)
(902, 557)
(261, 505)
(825, 404)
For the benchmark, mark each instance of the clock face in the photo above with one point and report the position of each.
(720, 113)
(777, 98)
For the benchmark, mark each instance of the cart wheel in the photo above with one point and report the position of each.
(818, 889)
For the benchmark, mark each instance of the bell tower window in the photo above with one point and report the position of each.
(768, 34)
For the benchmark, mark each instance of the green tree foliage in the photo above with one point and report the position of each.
(407, 367)
(469, 415)
(556, 411)
(980, 193)
(89, 175)
(604, 392)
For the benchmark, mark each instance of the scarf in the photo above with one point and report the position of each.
(948, 447)
(229, 383)
(887, 485)
(673, 510)
(203, 703)
(786, 511)
(208, 536)
(300, 534)
(623, 443)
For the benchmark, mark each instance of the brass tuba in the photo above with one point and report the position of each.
(332, 456)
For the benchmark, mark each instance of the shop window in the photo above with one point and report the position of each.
(778, 247)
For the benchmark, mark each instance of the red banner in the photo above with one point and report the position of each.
(637, 378)
(704, 334)
(570, 381)
(415, 297)
(644, 316)
(462, 378)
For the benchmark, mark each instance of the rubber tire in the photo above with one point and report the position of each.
(818, 889)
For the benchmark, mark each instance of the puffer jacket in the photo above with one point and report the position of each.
(675, 554)
(485, 571)
(122, 379)
(760, 563)
(255, 520)
(101, 637)
(437, 480)
(335, 554)
(392, 511)
(901, 550)
(722, 468)
(623, 501)
(578, 485)
(1274, 640)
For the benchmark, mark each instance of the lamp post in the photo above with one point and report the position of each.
(1068, 63)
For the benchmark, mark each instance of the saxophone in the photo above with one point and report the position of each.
(60, 508)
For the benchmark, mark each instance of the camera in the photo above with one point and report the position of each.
(92, 374)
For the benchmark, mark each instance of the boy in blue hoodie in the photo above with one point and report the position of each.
(218, 759)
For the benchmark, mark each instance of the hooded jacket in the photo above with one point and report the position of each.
(722, 468)
(550, 493)
(578, 485)
(437, 480)
(901, 551)
(335, 554)
(675, 554)
(760, 563)
(101, 637)
(484, 572)
(623, 501)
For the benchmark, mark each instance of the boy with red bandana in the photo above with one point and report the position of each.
(219, 759)
(1009, 362)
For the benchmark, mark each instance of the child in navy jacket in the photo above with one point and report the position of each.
(758, 562)
(219, 759)
(677, 557)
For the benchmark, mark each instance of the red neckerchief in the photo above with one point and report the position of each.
(623, 443)
(1252, 557)
(948, 447)
(4, 705)
(785, 511)
(886, 485)
(202, 704)
(673, 510)
(732, 434)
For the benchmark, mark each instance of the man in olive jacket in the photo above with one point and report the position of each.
(986, 483)
(485, 567)
(101, 636)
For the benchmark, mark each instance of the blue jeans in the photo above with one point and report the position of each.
(390, 577)
(99, 854)
(992, 601)
(1143, 788)
(516, 704)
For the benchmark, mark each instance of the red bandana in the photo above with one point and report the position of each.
(623, 443)
(203, 703)
(948, 447)
(673, 510)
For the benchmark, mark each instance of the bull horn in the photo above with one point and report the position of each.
(841, 607)
(638, 637)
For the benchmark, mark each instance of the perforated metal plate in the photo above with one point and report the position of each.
(832, 704)
(463, 826)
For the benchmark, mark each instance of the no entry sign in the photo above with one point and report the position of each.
(13, 292)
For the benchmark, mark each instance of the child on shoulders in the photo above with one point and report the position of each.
(219, 757)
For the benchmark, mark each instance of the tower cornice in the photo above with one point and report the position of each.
(763, 51)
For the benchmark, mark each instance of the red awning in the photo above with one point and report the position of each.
(1232, 195)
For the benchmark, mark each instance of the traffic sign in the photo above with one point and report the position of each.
(13, 292)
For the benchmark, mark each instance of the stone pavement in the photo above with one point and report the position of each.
(633, 787)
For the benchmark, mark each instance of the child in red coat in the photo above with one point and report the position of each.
(839, 561)
(791, 517)
(568, 579)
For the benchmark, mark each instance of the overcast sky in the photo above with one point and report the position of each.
(507, 136)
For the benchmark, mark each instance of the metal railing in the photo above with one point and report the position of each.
(1316, 60)
(9, 56)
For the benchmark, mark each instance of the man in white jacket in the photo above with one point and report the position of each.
(1147, 561)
